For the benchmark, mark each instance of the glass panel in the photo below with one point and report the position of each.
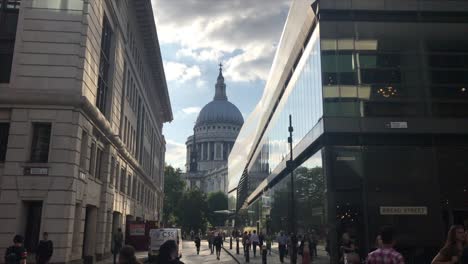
(4, 132)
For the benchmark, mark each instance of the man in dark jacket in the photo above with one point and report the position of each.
(117, 243)
(45, 249)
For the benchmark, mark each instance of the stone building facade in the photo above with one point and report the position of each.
(83, 99)
(215, 132)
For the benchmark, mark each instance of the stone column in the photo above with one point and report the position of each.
(202, 151)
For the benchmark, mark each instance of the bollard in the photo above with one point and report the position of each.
(264, 255)
(230, 243)
(237, 246)
(247, 255)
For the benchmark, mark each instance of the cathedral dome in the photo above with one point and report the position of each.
(220, 110)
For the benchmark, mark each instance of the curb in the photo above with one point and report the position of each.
(232, 256)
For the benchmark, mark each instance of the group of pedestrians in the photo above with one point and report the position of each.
(17, 253)
(215, 243)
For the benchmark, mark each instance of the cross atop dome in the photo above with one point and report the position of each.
(220, 91)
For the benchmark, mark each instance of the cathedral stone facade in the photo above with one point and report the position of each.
(214, 134)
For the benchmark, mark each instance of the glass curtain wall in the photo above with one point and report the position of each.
(302, 100)
(271, 213)
(378, 69)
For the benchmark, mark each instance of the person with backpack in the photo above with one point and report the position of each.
(16, 254)
(197, 244)
(45, 249)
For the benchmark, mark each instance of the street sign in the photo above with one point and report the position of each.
(403, 210)
(137, 229)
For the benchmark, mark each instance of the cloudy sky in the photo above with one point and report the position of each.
(195, 35)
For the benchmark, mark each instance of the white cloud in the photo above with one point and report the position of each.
(175, 154)
(242, 32)
(200, 54)
(191, 110)
(176, 71)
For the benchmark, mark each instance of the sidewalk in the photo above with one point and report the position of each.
(140, 255)
(322, 257)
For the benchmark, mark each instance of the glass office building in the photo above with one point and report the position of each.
(377, 91)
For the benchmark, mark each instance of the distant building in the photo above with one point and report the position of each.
(215, 132)
(83, 99)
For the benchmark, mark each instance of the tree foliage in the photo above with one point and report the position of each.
(217, 201)
(174, 187)
(192, 210)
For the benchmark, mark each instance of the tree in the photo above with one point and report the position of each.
(217, 201)
(174, 187)
(192, 210)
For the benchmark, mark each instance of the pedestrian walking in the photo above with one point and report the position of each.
(247, 249)
(16, 254)
(117, 243)
(44, 250)
(218, 243)
(293, 248)
(169, 253)
(210, 241)
(255, 242)
(127, 255)
(282, 241)
(261, 238)
(453, 248)
(197, 244)
(192, 235)
(314, 241)
(268, 244)
(245, 237)
(306, 249)
(386, 254)
(347, 247)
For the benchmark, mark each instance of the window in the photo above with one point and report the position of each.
(112, 172)
(99, 159)
(134, 187)
(117, 176)
(84, 149)
(8, 19)
(40, 142)
(128, 190)
(122, 180)
(92, 159)
(4, 131)
(104, 65)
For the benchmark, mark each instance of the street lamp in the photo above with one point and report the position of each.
(290, 166)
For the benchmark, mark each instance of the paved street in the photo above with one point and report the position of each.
(274, 257)
(189, 254)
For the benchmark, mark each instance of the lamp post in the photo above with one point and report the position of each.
(290, 165)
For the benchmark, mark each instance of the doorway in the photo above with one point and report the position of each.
(33, 225)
